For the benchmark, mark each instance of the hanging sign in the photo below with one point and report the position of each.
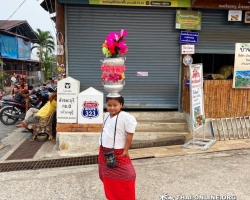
(196, 95)
(188, 37)
(187, 60)
(141, 73)
(60, 50)
(242, 66)
(247, 17)
(234, 15)
(188, 19)
(187, 49)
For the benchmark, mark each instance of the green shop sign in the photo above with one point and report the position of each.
(187, 19)
(147, 3)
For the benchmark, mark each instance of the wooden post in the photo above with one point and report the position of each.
(60, 26)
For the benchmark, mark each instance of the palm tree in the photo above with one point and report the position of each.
(46, 44)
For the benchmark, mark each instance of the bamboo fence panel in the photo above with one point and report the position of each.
(221, 100)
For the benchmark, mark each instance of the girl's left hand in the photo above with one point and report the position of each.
(125, 153)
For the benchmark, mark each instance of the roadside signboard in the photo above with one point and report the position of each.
(187, 37)
(242, 66)
(196, 96)
(67, 91)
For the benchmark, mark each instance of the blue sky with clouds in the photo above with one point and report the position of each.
(31, 11)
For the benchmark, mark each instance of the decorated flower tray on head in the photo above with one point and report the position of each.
(114, 48)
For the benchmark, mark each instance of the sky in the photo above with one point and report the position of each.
(31, 11)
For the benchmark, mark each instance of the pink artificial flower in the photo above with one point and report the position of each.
(104, 77)
(119, 69)
(114, 77)
(123, 33)
(123, 47)
(114, 36)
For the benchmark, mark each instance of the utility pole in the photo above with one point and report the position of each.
(60, 27)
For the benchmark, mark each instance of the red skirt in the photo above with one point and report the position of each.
(119, 182)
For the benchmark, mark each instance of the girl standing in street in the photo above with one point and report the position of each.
(115, 169)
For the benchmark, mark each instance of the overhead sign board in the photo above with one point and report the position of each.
(222, 4)
(156, 3)
(187, 37)
(188, 19)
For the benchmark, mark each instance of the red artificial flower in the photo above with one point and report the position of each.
(112, 49)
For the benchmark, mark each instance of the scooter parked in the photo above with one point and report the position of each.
(13, 111)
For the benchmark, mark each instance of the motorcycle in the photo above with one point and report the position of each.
(13, 111)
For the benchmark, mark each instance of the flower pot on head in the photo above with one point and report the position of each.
(113, 68)
(113, 88)
(113, 75)
(114, 61)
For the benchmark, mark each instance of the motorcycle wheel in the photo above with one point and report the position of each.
(5, 115)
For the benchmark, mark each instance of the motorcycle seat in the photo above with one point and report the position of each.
(13, 100)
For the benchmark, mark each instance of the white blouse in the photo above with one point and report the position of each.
(126, 123)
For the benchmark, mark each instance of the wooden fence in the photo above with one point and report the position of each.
(221, 100)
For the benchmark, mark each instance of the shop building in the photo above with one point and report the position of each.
(153, 45)
(216, 50)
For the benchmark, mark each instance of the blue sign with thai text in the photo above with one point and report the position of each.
(189, 37)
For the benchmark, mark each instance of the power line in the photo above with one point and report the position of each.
(13, 13)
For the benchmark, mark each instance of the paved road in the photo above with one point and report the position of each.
(5, 131)
(9, 135)
(221, 175)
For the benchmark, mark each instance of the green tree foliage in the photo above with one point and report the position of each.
(45, 48)
(242, 82)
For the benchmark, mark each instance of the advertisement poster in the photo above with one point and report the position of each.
(247, 17)
(234, 15)
(196, 95)
(242, 66)
(188, 19)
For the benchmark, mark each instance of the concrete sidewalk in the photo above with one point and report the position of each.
(215, 174)
(49, 151)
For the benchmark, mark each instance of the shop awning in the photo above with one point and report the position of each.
(222, 4)
(18, 60)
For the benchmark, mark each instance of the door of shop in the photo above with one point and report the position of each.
(153, 46)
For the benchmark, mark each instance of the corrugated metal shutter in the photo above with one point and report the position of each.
(153, 47)
(218, 35)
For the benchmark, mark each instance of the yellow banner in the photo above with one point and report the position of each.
(163, 3)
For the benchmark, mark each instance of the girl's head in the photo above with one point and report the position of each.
(114, 104)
